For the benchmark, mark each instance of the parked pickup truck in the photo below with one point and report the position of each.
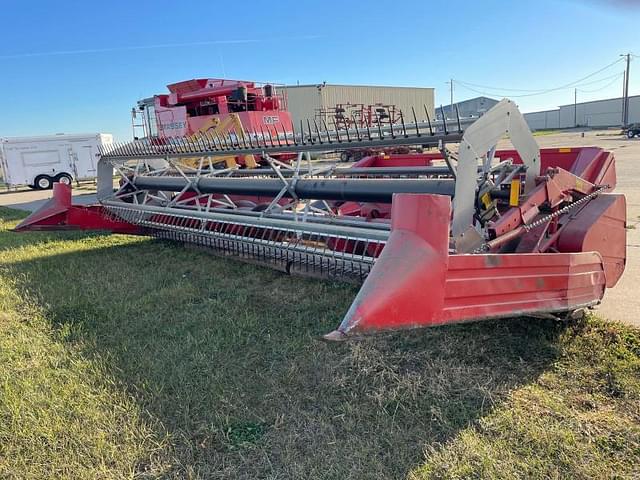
(632, 130)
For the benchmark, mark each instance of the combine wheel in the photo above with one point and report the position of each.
(64, 178)
(43, 182)
(345, 156)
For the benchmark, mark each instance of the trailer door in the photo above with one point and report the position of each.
(83, 157)
(4, 169)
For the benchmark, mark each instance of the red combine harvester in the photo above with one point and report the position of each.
(222, 109)
(471, 233)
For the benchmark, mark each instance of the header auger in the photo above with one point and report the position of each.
(473, 233)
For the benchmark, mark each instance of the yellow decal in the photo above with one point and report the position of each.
(514, 193)
(486, 200)
(564, 150)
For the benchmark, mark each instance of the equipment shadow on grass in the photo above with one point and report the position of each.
(226, 360)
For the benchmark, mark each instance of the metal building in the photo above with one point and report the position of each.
(598, 113)
(474, 107)
(309, 102)
(543, 120)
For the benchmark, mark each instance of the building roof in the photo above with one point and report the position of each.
(601, 100)
(346, 85)
(468, 100)
(551, 110)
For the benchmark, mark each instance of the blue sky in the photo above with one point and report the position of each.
(79, 66)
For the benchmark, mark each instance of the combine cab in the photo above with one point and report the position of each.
(470, 233)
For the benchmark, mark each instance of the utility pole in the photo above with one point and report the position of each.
(624, 76)
(575, 107)
(452, 96)
(625, 95)
(450, 82)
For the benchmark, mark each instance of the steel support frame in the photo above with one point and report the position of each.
(478, 142)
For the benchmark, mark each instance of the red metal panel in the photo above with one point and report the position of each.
(485, 286)
(188, 85)
(398, 159)
(416, 283)
(59, 214)
(549, 157)
(584, 162)
(592, 164)
(199, 88)
(53, 212)
(272, 122)
(405, 287)
(600, 227)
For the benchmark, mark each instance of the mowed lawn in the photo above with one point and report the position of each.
(125, 357)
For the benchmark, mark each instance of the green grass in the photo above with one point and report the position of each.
(543, 133)
(125, 357)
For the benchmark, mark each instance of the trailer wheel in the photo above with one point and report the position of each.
(64, 178)
(345, 156)
(43, 182)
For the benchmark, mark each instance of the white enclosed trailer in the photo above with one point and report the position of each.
(40, 161)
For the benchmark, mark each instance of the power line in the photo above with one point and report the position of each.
(460, 82)
(572, 84)
(537, 92)
(617, 77)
